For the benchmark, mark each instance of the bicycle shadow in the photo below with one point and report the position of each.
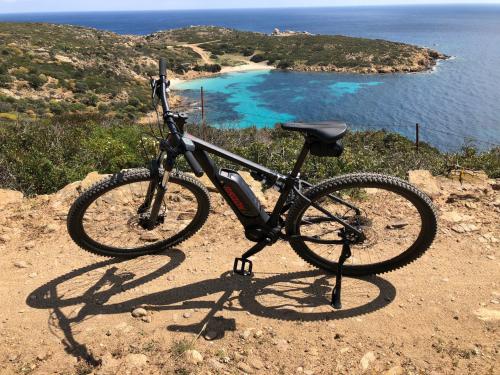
(299, 296)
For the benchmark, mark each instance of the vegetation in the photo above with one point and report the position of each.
(42, 156)
(53, 69)
(308, 52)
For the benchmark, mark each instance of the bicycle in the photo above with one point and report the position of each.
(356, 216)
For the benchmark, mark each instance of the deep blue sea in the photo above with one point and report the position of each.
(457, 102)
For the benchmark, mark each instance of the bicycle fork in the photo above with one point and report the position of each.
(156, 190)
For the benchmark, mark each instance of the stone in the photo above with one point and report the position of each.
(210, 335)
(487, 315)
(139, 312)
(136, 360)
(187, 315)
(255, 362)
(425, 181)
(308, 372)
(397, 224)
(42, 356)
(367, 359)
(244, 367)
(10, 197)
(245, 335)
(257, 334)
(21, 264)
(151, 236)
(469, 176)
(455, 217)
(464, 228)
(193, 356)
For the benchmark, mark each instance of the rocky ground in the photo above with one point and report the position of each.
(65, 311)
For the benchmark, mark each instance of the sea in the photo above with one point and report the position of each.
(455, 104)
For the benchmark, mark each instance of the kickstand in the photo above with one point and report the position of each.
(344, 255)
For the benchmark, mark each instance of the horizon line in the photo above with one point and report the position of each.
(257, 8)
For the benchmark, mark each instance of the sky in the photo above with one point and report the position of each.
(15, 6)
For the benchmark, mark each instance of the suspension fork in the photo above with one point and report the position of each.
(157, 184)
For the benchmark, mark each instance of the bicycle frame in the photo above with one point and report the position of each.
(196, 152)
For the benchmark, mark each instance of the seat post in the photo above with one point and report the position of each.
(300, 160)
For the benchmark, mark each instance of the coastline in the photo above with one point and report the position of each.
(247, 67)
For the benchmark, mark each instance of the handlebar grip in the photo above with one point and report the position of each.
(163, 66)
(193, 163)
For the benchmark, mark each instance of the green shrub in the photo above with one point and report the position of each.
(257, 58)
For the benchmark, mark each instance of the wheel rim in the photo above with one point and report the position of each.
(389, 218)
(112, 221)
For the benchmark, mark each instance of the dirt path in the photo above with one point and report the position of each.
(65, 311)
(204, 55)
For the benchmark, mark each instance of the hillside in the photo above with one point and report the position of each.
(306, 52)
(65, 311)
(46, 70)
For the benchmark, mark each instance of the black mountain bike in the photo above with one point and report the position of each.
(356, 224)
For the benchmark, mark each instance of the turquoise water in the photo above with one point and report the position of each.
(245, 93)
(237, 88)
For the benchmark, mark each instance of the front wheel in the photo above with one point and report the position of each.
(397, 220)
(109, 218)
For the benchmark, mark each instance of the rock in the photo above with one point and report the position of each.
(42, 356)
(424, 180)
(244, 367)
(139, 312)
(245, 335)
(136, 360)
(257, 334)
(308, 372)
(151, 236)
(455, 217)
(10, 197)
(468, 176)
(210, 335)
(90, 180)
(21, 264)
(456, 197)
(396, 370)
(187, 315)
(487, 315)
(464, 228)
(146, 319)
(193, 356)
(397, 224)
(366, 360)
(490, 257)
(255, 362)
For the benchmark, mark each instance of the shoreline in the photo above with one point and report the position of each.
(247, 67)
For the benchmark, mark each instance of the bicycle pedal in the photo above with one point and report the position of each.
(240, 266)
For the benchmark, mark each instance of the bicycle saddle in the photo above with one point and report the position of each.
(323, 131)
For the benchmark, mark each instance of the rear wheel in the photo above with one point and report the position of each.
(397, 220)
(107, 219)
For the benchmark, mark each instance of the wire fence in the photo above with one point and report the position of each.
(419, 132)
